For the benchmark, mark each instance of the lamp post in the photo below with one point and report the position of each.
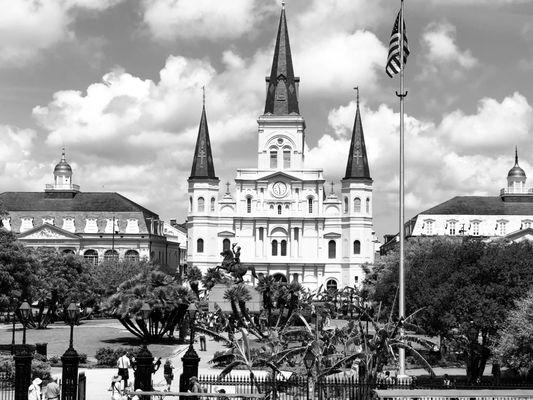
(15, 294)
(23, 358)
(190, 359)
(70, 359)
(144, 360)
(309, 360)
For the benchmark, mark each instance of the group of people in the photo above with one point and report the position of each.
(119, 383)
(52, 391)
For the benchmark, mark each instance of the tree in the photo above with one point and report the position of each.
(193, 275)
(168, 301)
(111, 274)
(464, 288)
(60, 280)
(515, 338)
(18, 268)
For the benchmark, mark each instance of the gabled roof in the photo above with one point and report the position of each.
(282, 98)
(481, 205)
(280, 174)
(202, 164)
(82, 201)
(357, 165)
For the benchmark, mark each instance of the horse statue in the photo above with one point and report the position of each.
(232, 264)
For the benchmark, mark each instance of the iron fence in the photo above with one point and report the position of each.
(7, 386)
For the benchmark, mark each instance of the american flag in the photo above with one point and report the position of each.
(393, 60)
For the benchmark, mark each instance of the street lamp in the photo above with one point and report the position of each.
(192, 310)
(25, 310)
(15, 294)
(190, 359)
(309, 360)
(144, 359)
(70, 359)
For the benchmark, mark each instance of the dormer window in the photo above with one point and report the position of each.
(26, 223)
(48, 220)
(133, 226)
(428, 225)
(91, 225)
(68, 224)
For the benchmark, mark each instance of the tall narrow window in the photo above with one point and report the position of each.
(286, 158)
(273, 158)
(201, 204)
(346, 204)
(283, 250)
(261, 233)
(91, 256)
(279, 209)
(200, 246)
(357, 205)
(367, 205)
(274, 247)
(248, 205)
(190, 204)
(451, 226)
(332, 249)
(357, 247)
(310, 205)
(429, 227)
(225, 244)
(296, 233)
(503, 226)
(475, 228)
(213, 204)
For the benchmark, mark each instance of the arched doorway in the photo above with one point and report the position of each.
(279, 277)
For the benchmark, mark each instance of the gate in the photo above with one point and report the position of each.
(7, 386)
(82, 386)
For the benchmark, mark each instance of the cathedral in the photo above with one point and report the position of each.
(281, 214)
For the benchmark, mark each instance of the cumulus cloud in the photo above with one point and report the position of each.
(207, 19)
(27, 27)
(441, 53)
(461, 155)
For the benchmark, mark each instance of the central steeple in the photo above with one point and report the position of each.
(282, 96)
(357, 165)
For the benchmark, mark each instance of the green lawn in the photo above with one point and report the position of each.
(88, 337)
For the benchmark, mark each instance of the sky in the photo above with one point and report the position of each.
(118, 83)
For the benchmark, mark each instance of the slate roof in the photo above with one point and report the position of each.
(202, 164)
(481, 205)
(357, 165)
(82, 201)
(282, 98)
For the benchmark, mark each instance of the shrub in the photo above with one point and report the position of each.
(39, 368)
(108, 356)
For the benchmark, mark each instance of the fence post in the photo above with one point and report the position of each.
(22, 372)
(82, 386)
(70, 361)
(143, 370)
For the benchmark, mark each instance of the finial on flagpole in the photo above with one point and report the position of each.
(357, 95)
(203, 95)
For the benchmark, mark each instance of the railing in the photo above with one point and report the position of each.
(7, 386)
(517, 190)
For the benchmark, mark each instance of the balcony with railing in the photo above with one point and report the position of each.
(49, 187)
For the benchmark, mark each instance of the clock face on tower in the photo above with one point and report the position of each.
(279, 189)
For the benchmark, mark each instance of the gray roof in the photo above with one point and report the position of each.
(81, 201)
(481, 205)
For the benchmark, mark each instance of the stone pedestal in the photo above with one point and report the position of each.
(23, 358)
(190, 368)
(144, 367)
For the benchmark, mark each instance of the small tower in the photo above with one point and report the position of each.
(357, 202)
(203, 184)
(516, 178)
(62, 177)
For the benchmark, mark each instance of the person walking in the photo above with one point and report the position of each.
(34, 391)
(202, 343)
(168, 373)
(116, 392)
(124, 364)
(52, 390)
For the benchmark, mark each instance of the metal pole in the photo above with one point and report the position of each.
(13, 338)
(71, 344)
(401, 302)
(23, 332)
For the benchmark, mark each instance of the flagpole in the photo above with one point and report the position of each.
(401, 95)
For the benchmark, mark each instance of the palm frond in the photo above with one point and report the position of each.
(417, 355)
(230, 368)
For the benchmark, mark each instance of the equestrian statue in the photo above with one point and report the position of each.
(232, 264)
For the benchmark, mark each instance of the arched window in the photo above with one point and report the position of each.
(261, 233)
(190, 204)
(91, 256)
(357, 247)
(201, 204)
(279, 277)
(248, 205)
(283, 249)
(296, 233)
(111, 255)
(200, 246)
(274, 247)
(279, 209)
(68, 251)
(310, 205)
(332, 249)
(367, 205)
(331, 285)
(226, 244)
(346, 204)
(357, 205)
(131, 256)
(213, 204)
(273, 158)
(286, 157)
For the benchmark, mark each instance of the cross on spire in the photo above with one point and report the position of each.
(283, 4)
(332, 184)
(227, 187)
(357, 95)
(63, 154)
(203, 96)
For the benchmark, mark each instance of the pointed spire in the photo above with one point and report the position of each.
(202, 165)
(357, 166)
(281, 96)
